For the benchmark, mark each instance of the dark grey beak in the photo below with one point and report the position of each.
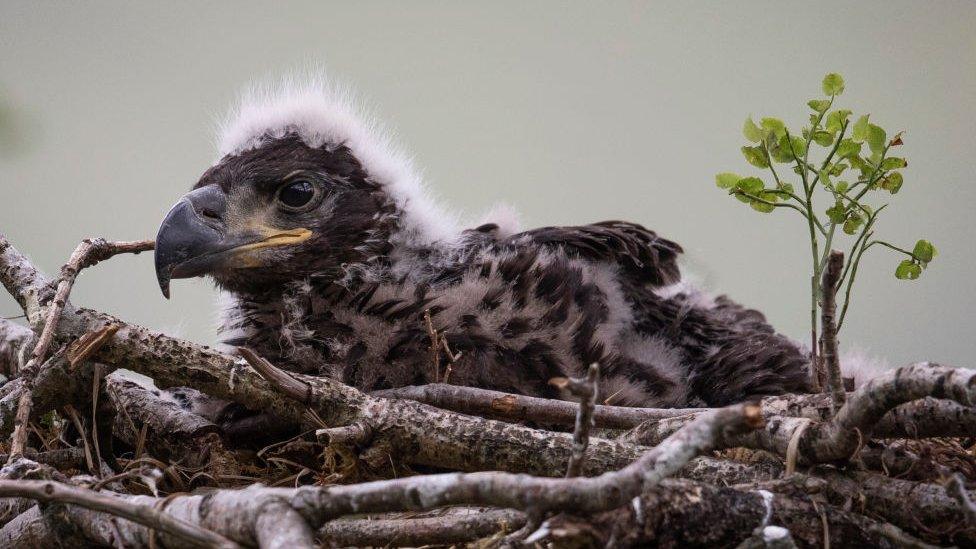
(192, 236)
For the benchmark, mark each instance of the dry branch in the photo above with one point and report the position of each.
(272, 517)
(922, 418)
(174, 432)
(924, 509)
(147, 515)
(839, 438)
(586, 391)
(828, 326)
(484, 402)
(88, 253)
(682, 513)
(450, 528)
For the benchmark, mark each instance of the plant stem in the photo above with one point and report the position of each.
(855, 261)
(893, 247)
(815, 252)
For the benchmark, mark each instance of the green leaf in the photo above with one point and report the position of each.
(774, 126)
(875, 138)
(819, 105)
(764, 207)
(822, 138)
(893, 182)
(751, 131)
(852, 224)
(837, 213)
(893, 163)
(908, 270)
(755, 156)
(842, 186)
(924, 251)
(781, 150)
(799, 145)
(837, 169)
(836, 120)
(847, 148)
(787, 187)
(858, 163)
(750, 185)
(833, 84)
(824, 178)
(749, 188)
(859, 132)
(727, 180)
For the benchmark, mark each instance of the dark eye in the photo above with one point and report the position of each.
(297, 194)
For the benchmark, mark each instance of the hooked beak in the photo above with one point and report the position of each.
(193, 238)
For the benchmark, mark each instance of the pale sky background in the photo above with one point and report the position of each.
(572, 112)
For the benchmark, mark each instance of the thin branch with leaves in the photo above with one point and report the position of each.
(847, 175)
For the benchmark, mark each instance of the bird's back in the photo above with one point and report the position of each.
(510, 313)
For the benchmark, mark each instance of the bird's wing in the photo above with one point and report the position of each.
(639, 252)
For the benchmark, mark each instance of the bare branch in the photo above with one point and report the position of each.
(586, 391)
(450, 528)
(484, 402)
(88, 253)
(356, 434)
(579, 495)
(147, 515)
(682, 513)
(173, 432)
(828, 326)
(854, 423)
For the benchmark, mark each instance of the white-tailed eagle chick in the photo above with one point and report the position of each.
(333, 255)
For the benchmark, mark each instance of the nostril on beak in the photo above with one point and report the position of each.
(210, 214)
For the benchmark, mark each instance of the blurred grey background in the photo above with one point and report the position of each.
(571, 112)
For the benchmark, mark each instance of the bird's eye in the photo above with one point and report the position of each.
(297, 194)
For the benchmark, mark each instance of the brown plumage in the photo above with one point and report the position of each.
(334, 263)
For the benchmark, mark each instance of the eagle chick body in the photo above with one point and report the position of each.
(387, 293)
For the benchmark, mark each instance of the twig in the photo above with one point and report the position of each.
(282, 380)
(586, 391)
(903, 502)
(451, 528)
(96, 386)
(839, 438)
(452, 359)
(956, 488)
(63, 458)
(828, 322)
(93, 466)
(87, 345)
(484, 402)
(581, 495)
(356, 434)
(443, 439)
(87, 254)
(174, 432)
(435, 347)
(56, 492)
